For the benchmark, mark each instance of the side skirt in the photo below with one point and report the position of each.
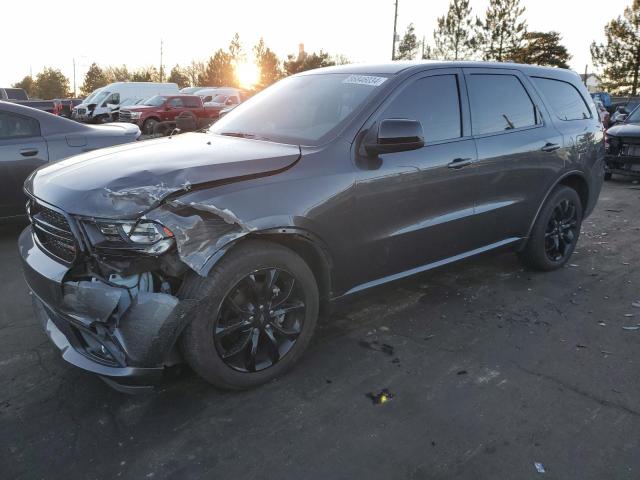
(429, 266)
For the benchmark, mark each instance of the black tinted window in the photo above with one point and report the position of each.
(191, 102)
(435, 102)
(563, 98)
(499, 103)
(15, 126)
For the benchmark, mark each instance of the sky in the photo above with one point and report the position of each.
(115, 32)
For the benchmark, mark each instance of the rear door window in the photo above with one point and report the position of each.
(17, 126)
(176, 102)
(499, 103)
(435, 102)
(563, 98)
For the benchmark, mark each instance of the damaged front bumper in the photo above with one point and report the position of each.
(125, 339)
(623, 165)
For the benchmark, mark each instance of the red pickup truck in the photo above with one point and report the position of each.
(164, 109)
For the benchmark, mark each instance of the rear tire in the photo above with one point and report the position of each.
(252, 325)
(556, 231)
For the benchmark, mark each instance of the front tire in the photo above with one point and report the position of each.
(257, 313)
(556, 231)
(149, 125)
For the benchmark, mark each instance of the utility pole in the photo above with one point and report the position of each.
(161, 67)
(395, 23)
(74, 77)
(423, 40)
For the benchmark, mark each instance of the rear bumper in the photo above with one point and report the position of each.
(99, 328)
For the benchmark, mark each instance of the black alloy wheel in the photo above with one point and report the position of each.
(259, 320)
(561, 231)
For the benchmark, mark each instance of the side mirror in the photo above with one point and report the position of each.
(397, 135)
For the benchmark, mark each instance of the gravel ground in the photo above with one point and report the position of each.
(492, 368)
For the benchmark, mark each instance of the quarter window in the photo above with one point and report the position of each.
(563, 98)
(17, 126)
(176, 102)
(435, 102)
(499, 103)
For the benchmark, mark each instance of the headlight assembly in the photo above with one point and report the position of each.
(141, 235)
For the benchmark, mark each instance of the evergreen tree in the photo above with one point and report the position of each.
(94, 78)
(268, 63)
(542, 48)
(619, 56)
(178, 76)
(219, 71)
(409, 45)
(51, 83)
(454, 39)
(300, 63)
(502, 32)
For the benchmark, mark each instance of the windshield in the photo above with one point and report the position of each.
(155, 101)
(304, 110)
(100, 97)
(92, 95)
(634, 117)
(219, 98)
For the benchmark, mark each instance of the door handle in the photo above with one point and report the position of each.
(550, 147)
(28, 152)
(460, 162)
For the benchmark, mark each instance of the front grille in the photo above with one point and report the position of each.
(53, 232)
(124, 116)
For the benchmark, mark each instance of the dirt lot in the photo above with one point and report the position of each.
(492, 369)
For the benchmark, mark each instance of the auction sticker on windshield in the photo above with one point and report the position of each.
(365, 80)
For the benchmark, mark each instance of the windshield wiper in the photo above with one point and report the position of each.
(252, 136)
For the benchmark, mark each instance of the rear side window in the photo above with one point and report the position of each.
(176, 102)
(191, 102)
(17, 126)
(499, 103)
(434, 101)
(563, 98)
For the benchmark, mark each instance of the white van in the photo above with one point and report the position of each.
(100, 105)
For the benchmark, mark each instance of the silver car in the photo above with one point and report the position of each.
(30, 138)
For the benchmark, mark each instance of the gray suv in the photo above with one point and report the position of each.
(221, 248)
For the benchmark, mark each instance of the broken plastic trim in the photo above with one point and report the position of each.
(200, 230)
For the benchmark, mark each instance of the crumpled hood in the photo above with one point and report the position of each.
(128, 180)
(624, 130)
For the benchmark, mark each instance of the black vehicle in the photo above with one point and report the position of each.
(13, 94)
(622, 143)
(221, 248)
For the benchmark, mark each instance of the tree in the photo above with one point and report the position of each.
(195, 72)
(542, 48)
(305, 61)
(454, 38)
(268, 63)
(117, 74)
(178, 76)
(27, 84)
(619, 56)
(502, 32)
(219, 71)
(236, 54)
(146, 74)
(94, 78)
(408, 46)
(51, 83)
(427, 52)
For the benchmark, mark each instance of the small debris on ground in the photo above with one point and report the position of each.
(377, 346)
(539, 467)
(635, 327)
(614, 210)
(629, 314)
(384, 329)
(602, 324)
(636, 304)
(579, 345)
(380, 398)
(461, 372)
